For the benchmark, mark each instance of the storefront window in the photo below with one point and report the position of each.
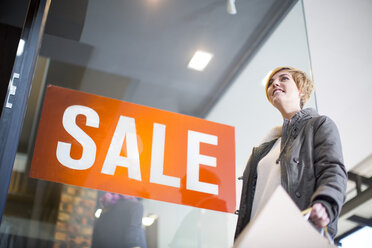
(138, 51)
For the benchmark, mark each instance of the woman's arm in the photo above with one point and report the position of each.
(330, 172)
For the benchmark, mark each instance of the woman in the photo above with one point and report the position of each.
(304, 156)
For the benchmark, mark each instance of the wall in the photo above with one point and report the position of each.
(340, 41)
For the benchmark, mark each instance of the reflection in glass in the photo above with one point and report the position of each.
(120, 223)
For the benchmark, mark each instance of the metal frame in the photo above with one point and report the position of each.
(359, 199)
(359, 180)
(339, 238)
(360, 220)
(362, 223)
(18, 92)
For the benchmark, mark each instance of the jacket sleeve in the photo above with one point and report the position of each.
(330, 172)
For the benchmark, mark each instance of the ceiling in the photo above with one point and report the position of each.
(150, 42)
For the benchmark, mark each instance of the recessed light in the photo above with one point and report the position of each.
(200, 60)
(231, 8)
(149, 220)
(20, 48)
(98, 213)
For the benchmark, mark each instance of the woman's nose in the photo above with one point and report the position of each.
(276, 83)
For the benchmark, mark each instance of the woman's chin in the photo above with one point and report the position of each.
(277, 103)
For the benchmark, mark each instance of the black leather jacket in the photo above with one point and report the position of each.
(312, 168)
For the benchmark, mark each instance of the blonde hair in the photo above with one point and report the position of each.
(303, 82)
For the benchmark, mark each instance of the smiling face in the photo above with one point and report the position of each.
(282, 91)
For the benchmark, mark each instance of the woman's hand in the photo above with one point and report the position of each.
(319, 215)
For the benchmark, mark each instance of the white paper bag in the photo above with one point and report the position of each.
(280, 224)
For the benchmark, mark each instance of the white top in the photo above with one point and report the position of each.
(268, 178)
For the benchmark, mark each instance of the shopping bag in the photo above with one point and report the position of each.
(280, 224)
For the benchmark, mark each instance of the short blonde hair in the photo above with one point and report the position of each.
(303, 82)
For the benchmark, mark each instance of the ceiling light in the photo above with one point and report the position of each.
(149, 220)
(98, 213)
(200, 60)
(20, 48)
(230, 7)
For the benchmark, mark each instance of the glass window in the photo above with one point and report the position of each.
(138, 51)
(360, 238)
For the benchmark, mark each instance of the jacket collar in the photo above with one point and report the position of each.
(296, 122)
(300, 115)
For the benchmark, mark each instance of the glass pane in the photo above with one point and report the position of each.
(360, 238)
(138, 51)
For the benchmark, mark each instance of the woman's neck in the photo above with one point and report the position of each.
(289, 113)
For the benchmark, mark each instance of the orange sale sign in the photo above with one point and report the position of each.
(111, 145)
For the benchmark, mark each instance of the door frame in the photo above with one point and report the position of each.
(15, 104)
